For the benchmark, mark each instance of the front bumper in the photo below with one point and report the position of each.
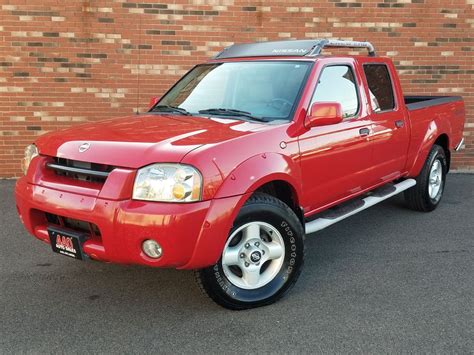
(183, 230)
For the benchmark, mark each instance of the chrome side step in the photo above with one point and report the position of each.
(358, 205)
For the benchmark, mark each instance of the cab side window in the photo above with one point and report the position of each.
(380, 87)
(337, 83)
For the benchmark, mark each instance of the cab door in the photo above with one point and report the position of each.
(390, 131)
(336, 159)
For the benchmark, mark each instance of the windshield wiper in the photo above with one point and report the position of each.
(231, 112)
(168, 108)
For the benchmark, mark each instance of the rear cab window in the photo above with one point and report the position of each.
(380, 86)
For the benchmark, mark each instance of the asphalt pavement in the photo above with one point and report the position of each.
(387, 280)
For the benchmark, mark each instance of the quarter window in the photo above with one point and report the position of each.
(380, 87)
(337, 84)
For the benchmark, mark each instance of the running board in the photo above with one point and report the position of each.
(331, 217)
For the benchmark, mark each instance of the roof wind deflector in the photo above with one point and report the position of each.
(299, 48)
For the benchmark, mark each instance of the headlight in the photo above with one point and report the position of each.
(30, 152)
(168, 183)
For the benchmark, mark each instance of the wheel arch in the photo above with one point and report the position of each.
(443, 142)
(286, 193)
(274, 173)
(437, 136)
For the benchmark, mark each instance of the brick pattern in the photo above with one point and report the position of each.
(62, 63)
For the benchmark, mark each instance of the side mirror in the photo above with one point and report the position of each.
(153, 101)
(323, 114)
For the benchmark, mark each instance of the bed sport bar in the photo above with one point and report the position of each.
(302, 48)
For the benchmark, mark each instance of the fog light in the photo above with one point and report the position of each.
(152, 249)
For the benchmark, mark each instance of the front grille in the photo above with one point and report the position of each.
(74, 224)
(80, 170)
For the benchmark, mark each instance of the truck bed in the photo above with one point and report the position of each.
(429, 117)
(418, 102)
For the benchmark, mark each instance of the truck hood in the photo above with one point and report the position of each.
(136, 141)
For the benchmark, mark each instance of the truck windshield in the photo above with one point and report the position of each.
(261, 90)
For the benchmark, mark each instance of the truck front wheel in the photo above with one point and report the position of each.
(262, 257)
(426, 195)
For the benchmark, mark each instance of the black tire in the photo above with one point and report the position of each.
(267, 209)
(418, 198)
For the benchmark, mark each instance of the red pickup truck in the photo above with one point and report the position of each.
(232, 167)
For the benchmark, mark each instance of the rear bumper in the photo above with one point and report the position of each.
(183, 230)
(460, 145)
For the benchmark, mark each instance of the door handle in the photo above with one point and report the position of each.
(399, 123)
(364, 132)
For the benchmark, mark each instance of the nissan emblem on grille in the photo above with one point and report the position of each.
(83, 147)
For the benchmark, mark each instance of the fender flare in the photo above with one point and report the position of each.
(232, 195)
(259, 170)
(433, 132)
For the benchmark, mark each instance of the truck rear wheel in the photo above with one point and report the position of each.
(426, 195)
(262, 258)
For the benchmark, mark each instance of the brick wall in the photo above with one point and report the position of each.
(66, 62)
